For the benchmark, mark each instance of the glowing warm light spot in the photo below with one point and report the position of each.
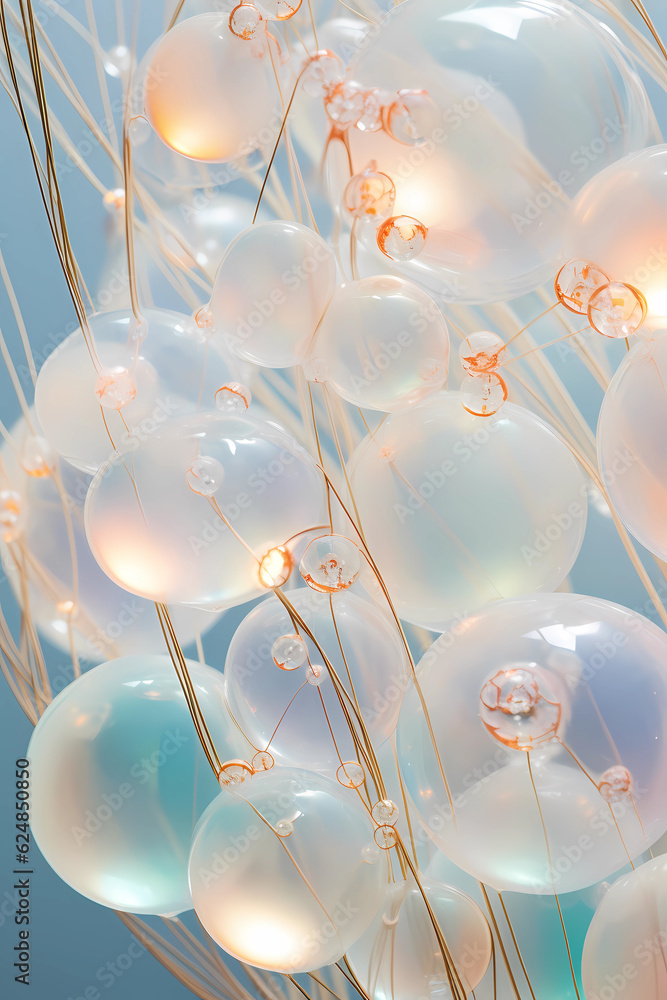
(275, 567)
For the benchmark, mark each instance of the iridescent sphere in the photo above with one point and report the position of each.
(616, 309)
(617, 223)
(576, 281)
(625, 953)
(289, 652)
(632, 451)
(272, 287)
(538, 706)
(288, 712)
(119, 780)
(153, 535)
(285, 903)
(85, 414)
(399, 956)
(484, 167)
(383, 343)
(83, 610)
(458, 510)
(205, 475)
(331, 563)
(245, 21)
(210, 94)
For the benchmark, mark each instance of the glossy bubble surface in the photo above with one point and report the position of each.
(171, 369)
(209, 94)
(580, 686)
(458, 510)
(627, 939)
(399, 957)
(280, 711)
(632, 450)
(384, 343)
(119, 780)
(288, 903)
(492, 176)
(84, 610)
(616, 224)
(270, 292)
(157, 538)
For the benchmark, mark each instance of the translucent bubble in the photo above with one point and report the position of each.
(385, 813)
(483, 394)
(322, 73)
(289, 715)
(279, 905)
(245, 21)
(205, 475)
(631, 451)
(369, 196)
(148, 382)
(384, 343)
(209, 94)
(401, 238)
(284, 828)
(399, 955)
(458, 510)
(385, 837)
(262, 761)
(279, 10)
(351, 774)
(233, 398)
(616, 784)
(86, 611)
(616, 309)
(626, 941)
(370, 119)
(289, 652)
(331, 563)
(117, 61)
(156, 538)
(345, 103)
(234, 772)
(120, 780)
(37, 457)
(271, 289)
(540, 821)
(480, 352)
(617, 224)
(370, 854)
(412, 118)
(490, 174)
(575, 283)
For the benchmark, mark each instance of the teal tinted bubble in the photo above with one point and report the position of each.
(119, 780)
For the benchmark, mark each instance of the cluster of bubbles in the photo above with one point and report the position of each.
(316, 793)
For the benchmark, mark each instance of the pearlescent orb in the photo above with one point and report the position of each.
(483, 166)
(384, 343)
(154, 536)
(289, 652)
(399, 956)
(285, 712)
(81, 609)
(171, 369)
(458, 510)
(119, 780)
(272, 287)
(617, 224)
(532, 702)
(331, 563)
(625, 953)
(632, 450)
(210, 94)
(287, 900)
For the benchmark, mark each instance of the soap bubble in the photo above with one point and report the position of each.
(270, 292)
(282, 711)
(89, 613)
(631, 443)
(485, 169)
(617, 223)
(285, 903)
(210, 94)
(331, 563)
(626, 944)
(399, 956)
(533, 702)
(154, 536)
(165, 374)
(458, 510)
(119, 780)
(383, 343)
